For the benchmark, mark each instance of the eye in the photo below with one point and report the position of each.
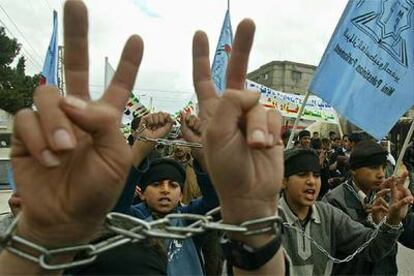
(174, 184)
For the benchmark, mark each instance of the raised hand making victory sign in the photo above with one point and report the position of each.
(69, 158)
(244, 152)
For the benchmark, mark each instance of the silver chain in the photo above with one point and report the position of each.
(167, 142)
(326, 253)
(130, 229)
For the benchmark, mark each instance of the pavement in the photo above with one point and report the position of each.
(405, 257)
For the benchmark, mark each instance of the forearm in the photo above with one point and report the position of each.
(13, 264)
(140, 151)
(209, 195)
(198, 155)
(251, 211)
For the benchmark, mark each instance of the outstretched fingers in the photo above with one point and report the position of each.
(123, 81)
(203, 84)
(76, 49)
(237, 66)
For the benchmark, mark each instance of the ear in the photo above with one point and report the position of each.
(139, 193)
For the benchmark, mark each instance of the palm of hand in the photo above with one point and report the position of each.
(238, 169)
(248, 172)
(66, 193)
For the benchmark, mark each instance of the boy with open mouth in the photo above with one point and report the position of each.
(334, 231)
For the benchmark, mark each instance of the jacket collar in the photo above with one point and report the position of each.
(292, 218)
(354, 197)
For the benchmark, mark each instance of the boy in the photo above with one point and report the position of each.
(162, 181)
(332, 229)
(355, 197)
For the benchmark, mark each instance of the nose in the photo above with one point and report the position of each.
(164, 187)
(312, 180)
(381, 173)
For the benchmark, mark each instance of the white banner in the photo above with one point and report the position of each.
(288, 104)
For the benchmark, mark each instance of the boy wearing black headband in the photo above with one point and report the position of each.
(357, 197)
(332, 229)
(162, 181)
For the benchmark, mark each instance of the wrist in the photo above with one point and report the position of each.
(236, 211)
(246, 211)
(58, 235)
(198, 155)
(141, 150)
(392, 221)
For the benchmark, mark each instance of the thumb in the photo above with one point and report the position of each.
(99, 119)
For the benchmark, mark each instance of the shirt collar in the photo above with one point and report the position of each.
(291, 217)
(359, 193)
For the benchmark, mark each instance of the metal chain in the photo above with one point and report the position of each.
(167, 142)
(326, 253)
(130, 229)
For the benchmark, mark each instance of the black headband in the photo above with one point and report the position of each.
(302, 161)
(163, 169)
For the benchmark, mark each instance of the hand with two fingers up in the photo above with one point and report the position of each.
(69, 158)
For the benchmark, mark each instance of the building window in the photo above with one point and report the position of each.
(296, 75)
(266, 76)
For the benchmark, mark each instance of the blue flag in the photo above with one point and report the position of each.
(49, 72)
(222, 55)
(367, 70)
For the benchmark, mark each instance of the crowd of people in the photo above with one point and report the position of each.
(338, 209)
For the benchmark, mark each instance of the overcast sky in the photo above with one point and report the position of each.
(295, 30)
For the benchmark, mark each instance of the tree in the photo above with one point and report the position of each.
(16, 89)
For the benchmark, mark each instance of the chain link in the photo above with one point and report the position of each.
(167, 142)
(130, 229)
(326, 253)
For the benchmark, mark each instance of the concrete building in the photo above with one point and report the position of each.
(285, 76)
(6, 124)
(290, 77)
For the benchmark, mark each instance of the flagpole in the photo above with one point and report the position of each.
(341, 132)
(106, 73)
(302, 108)
(404, 148)
(228, 5)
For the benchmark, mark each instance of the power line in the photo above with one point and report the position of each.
(20, 32)
(27, 54)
